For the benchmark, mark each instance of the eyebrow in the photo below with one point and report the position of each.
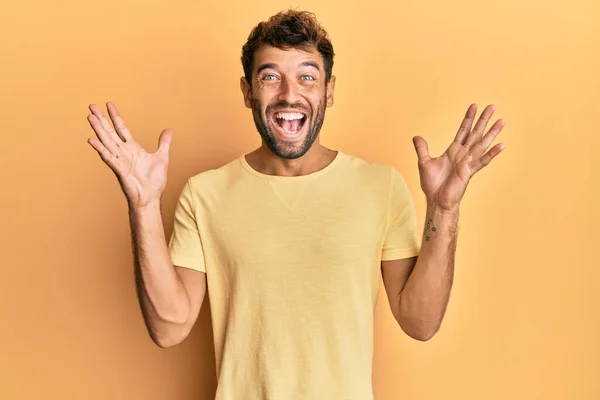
(274, 66)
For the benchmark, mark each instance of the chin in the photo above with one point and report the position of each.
(288, 151)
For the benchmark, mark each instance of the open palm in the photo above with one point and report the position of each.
(444, 179)
(143, 176)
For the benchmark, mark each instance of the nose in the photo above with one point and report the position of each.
(289, 91)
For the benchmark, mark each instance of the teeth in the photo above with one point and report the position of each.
(289, 116)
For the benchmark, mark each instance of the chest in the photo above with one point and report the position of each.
(281, 230)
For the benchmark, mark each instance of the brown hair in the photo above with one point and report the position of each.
(288, 29)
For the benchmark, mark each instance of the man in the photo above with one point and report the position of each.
(291, 239)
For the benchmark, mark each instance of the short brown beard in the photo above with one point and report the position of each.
(316, 122)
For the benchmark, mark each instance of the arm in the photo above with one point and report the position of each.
(418, 288)
(170, 297)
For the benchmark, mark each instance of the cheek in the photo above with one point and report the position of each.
(264, 93)
(259, 101)
(313, 89)
(310, 86)
(315, 95)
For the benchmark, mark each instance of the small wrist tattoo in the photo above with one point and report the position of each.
(427, 226)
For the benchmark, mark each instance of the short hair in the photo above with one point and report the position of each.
(289, 29)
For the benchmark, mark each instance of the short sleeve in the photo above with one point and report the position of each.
(402, 237)
(185, 245)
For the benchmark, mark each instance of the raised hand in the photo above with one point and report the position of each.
(142, 176)
(444, 179)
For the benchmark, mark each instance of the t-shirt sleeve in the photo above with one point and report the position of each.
(402, 237)
(185, 245)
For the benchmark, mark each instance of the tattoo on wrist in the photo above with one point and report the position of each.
(428, 226)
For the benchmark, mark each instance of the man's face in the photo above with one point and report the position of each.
(288, 97)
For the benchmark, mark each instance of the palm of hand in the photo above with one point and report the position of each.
(142, 176)
(444, 179)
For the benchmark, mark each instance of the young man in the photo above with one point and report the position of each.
(291, 239)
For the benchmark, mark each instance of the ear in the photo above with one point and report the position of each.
(246, 91)
(330, 88)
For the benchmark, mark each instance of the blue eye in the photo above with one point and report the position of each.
(307, 76)
(268, 77)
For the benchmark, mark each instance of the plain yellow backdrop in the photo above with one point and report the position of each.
(524, 316)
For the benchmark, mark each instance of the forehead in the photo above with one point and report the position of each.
(286, 58)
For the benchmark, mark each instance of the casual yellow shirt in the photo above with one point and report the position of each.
(293, 270)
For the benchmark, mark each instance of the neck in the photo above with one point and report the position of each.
(266, 162)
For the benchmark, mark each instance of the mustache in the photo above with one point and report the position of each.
(284, 105)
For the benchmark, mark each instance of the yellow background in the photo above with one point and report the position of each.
(523, 319)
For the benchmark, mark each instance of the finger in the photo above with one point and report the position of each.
(108, 127)
(421, 149)
(467, 123)
(481, 147)
(487, 157)
(120, 126)
(480, 125)
(105, 155)
(164, 142)
(104, 137)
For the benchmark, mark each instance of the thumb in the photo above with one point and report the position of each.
(421, 149)
(164, 141)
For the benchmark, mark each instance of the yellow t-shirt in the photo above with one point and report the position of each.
(293, 270)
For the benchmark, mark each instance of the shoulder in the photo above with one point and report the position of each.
(373, 171)
(209, 186)
(217, 176)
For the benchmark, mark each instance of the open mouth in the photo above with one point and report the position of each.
(289, 124)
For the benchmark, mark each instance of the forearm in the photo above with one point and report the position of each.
(425, 296)
(162, 296)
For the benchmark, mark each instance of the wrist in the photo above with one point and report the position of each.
(436, 208)
(151, 206)
(440, 220)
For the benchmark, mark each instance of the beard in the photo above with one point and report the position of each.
(289, 150)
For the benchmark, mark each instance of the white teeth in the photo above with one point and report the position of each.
(289, 116)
